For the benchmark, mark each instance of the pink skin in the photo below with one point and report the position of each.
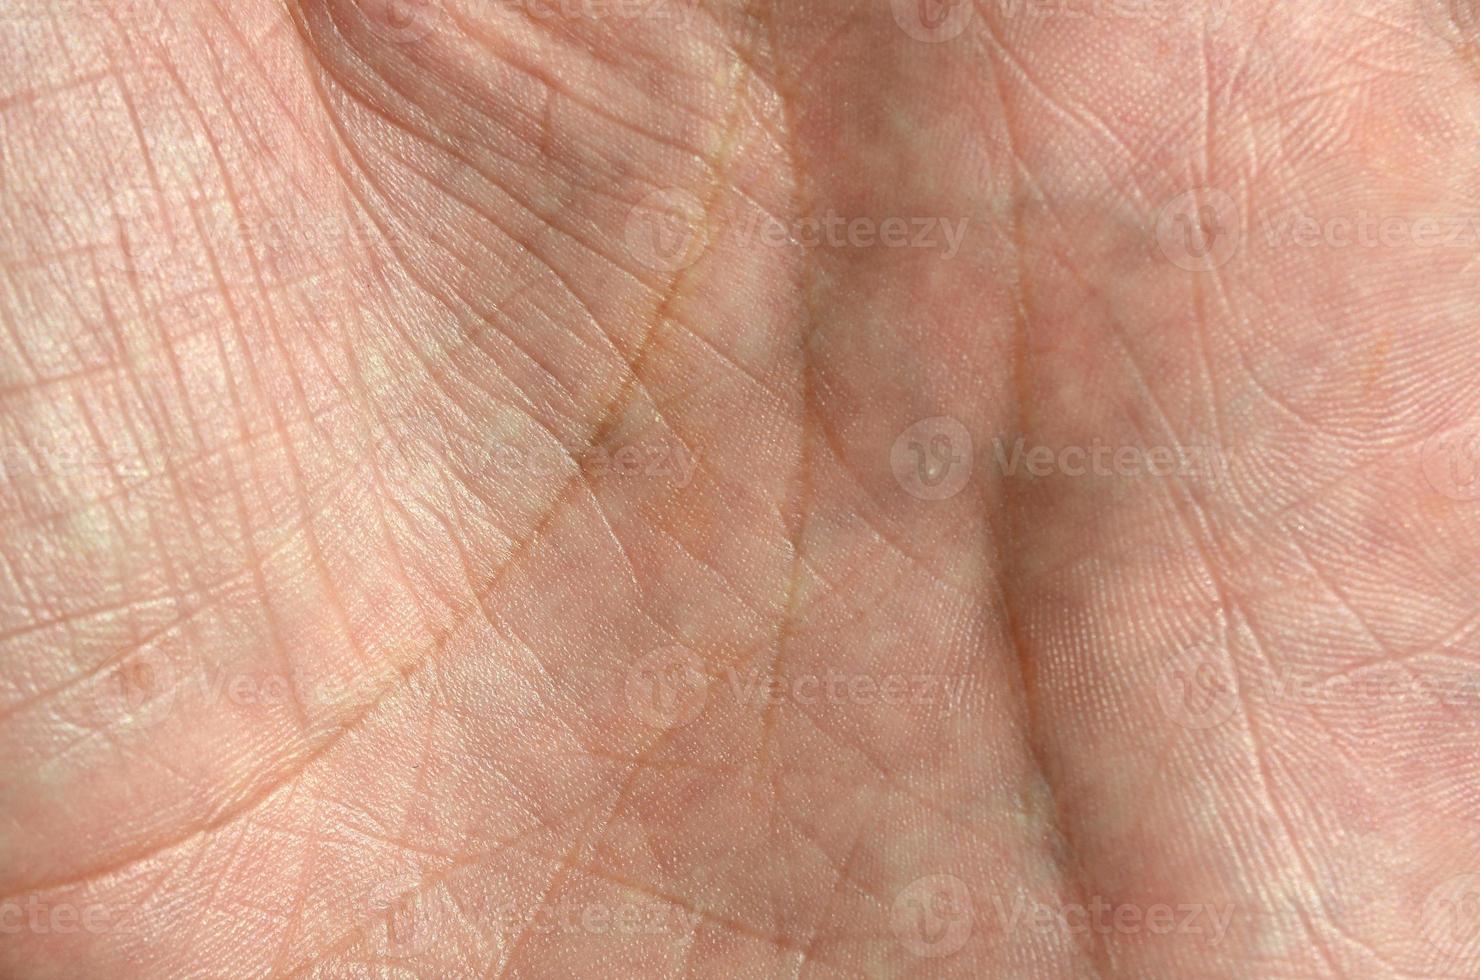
(424, 557)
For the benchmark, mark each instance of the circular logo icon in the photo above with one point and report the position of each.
(1451, 462)
(401, 21)
(1199, 230)
(666, 230)
(933, 916)
(932, 21)
(667, 688)
(932, 459)
(1209, 16)
(1451, 915)
(1455, 21)
(401, 923)
(138, 692)
(1218, 12)
(141, 16)
(1197, 689)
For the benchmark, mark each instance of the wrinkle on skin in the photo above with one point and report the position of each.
(465, 469)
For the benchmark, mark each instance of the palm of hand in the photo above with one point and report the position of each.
(828, 489)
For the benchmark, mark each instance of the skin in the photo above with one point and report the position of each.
(427, 552)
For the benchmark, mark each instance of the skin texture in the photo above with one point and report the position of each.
(428, 553)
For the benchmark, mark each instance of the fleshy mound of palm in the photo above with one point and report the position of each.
(495, 487)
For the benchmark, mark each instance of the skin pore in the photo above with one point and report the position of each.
(729, 488)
